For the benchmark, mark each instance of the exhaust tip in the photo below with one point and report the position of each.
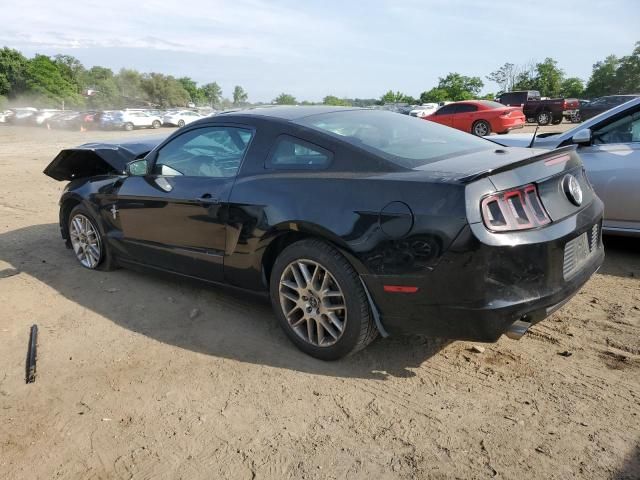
(517, 329)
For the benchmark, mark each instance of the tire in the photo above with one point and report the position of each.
(180, 123)
(98, 258)
(128, 126)
(155, 124)
(481, 128)
(531, 120)
(543, 118)
(557, 121)
(575, 118)
(302, 293)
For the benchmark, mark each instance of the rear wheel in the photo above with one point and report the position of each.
(128, 126)
(320, 301)
(481, 128)
(543, 118)
(156, 124)
(557, 121)
(181, 123)
(87, 241)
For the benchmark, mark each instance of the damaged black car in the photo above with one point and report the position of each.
(355, 222)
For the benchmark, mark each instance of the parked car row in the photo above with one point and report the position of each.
(127, 119)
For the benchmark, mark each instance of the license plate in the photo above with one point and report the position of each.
(578, 251)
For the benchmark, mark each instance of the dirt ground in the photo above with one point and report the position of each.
(132, 383)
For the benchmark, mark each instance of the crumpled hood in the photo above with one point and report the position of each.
(93, 159)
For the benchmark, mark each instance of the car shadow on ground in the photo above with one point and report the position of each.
(630, 470)
(622, 257)
(192, 315)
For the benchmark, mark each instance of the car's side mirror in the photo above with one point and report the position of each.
(582, 137)
(137, 168)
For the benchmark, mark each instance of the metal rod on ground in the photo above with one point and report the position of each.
(31, 355)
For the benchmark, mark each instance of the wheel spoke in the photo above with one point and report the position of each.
(297, 276)
(319, 330)
(314, 277)
(332, 293)
(334, 307)
(336, 321)
(310, 330)
(305, 273)
(328, 328)
(289, 284)
(289, 296)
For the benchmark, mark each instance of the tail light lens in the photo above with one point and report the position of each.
(506, 114)
(517, 209)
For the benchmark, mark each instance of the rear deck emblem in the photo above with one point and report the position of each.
(572, 189)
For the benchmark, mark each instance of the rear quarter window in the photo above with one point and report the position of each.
(296, 154)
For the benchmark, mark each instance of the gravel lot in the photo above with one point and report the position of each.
(141, 376)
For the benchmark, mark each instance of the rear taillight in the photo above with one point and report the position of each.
(506, 114)
(517, 209)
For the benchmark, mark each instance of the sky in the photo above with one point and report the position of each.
(313, 48)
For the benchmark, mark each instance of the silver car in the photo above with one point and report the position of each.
(609, 145)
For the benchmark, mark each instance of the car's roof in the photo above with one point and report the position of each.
(288, 112)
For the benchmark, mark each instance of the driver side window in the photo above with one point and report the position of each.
(623, 130)
(204, 152)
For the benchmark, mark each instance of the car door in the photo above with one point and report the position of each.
(174, 217)
(444, 115)
(464, 116)
(612, 163)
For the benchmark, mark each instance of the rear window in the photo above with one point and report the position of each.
(406, 141)
(490, 104)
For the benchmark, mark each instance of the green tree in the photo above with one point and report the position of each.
(106, 94)
(195, 94)
(285, 99)
(13, 72)
(72, 70)
(435, 95)
(335, 101)
(43, 78)
(239, 95)
(460, 87)
(572, 87)
(628, 72)
(505, 76)
(212, 93)
(549, 77)
(129, 83)
(164, 90)
(603, 78)
(394, 97)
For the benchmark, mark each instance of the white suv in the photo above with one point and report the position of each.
(132, 119)
(181, 118)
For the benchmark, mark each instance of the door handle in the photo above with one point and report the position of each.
(208, 199)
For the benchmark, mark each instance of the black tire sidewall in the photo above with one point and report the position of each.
(347, 280)
(181, 123)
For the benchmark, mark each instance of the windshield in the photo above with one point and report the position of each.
(407, 141)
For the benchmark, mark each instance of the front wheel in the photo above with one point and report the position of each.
(128, 126)
(155, 124)
(87, 242)
(320, 302)
(180, 123)
(481, 128)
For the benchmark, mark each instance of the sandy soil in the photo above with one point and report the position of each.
(131, 385)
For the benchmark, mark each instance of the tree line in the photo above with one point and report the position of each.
(62, 79)
(45, 81)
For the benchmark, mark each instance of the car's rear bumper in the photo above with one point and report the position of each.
(477, 291)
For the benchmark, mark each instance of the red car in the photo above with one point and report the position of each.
(480, 117)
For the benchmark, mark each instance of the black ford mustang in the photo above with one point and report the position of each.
(357, 222)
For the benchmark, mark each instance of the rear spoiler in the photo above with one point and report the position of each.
(559, 154)
(98, 159)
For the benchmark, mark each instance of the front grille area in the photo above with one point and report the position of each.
(579, 250)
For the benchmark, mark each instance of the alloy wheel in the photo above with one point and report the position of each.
(85, 241)
(313, 303)
(480, 129)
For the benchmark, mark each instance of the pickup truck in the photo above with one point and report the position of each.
(535, 109)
